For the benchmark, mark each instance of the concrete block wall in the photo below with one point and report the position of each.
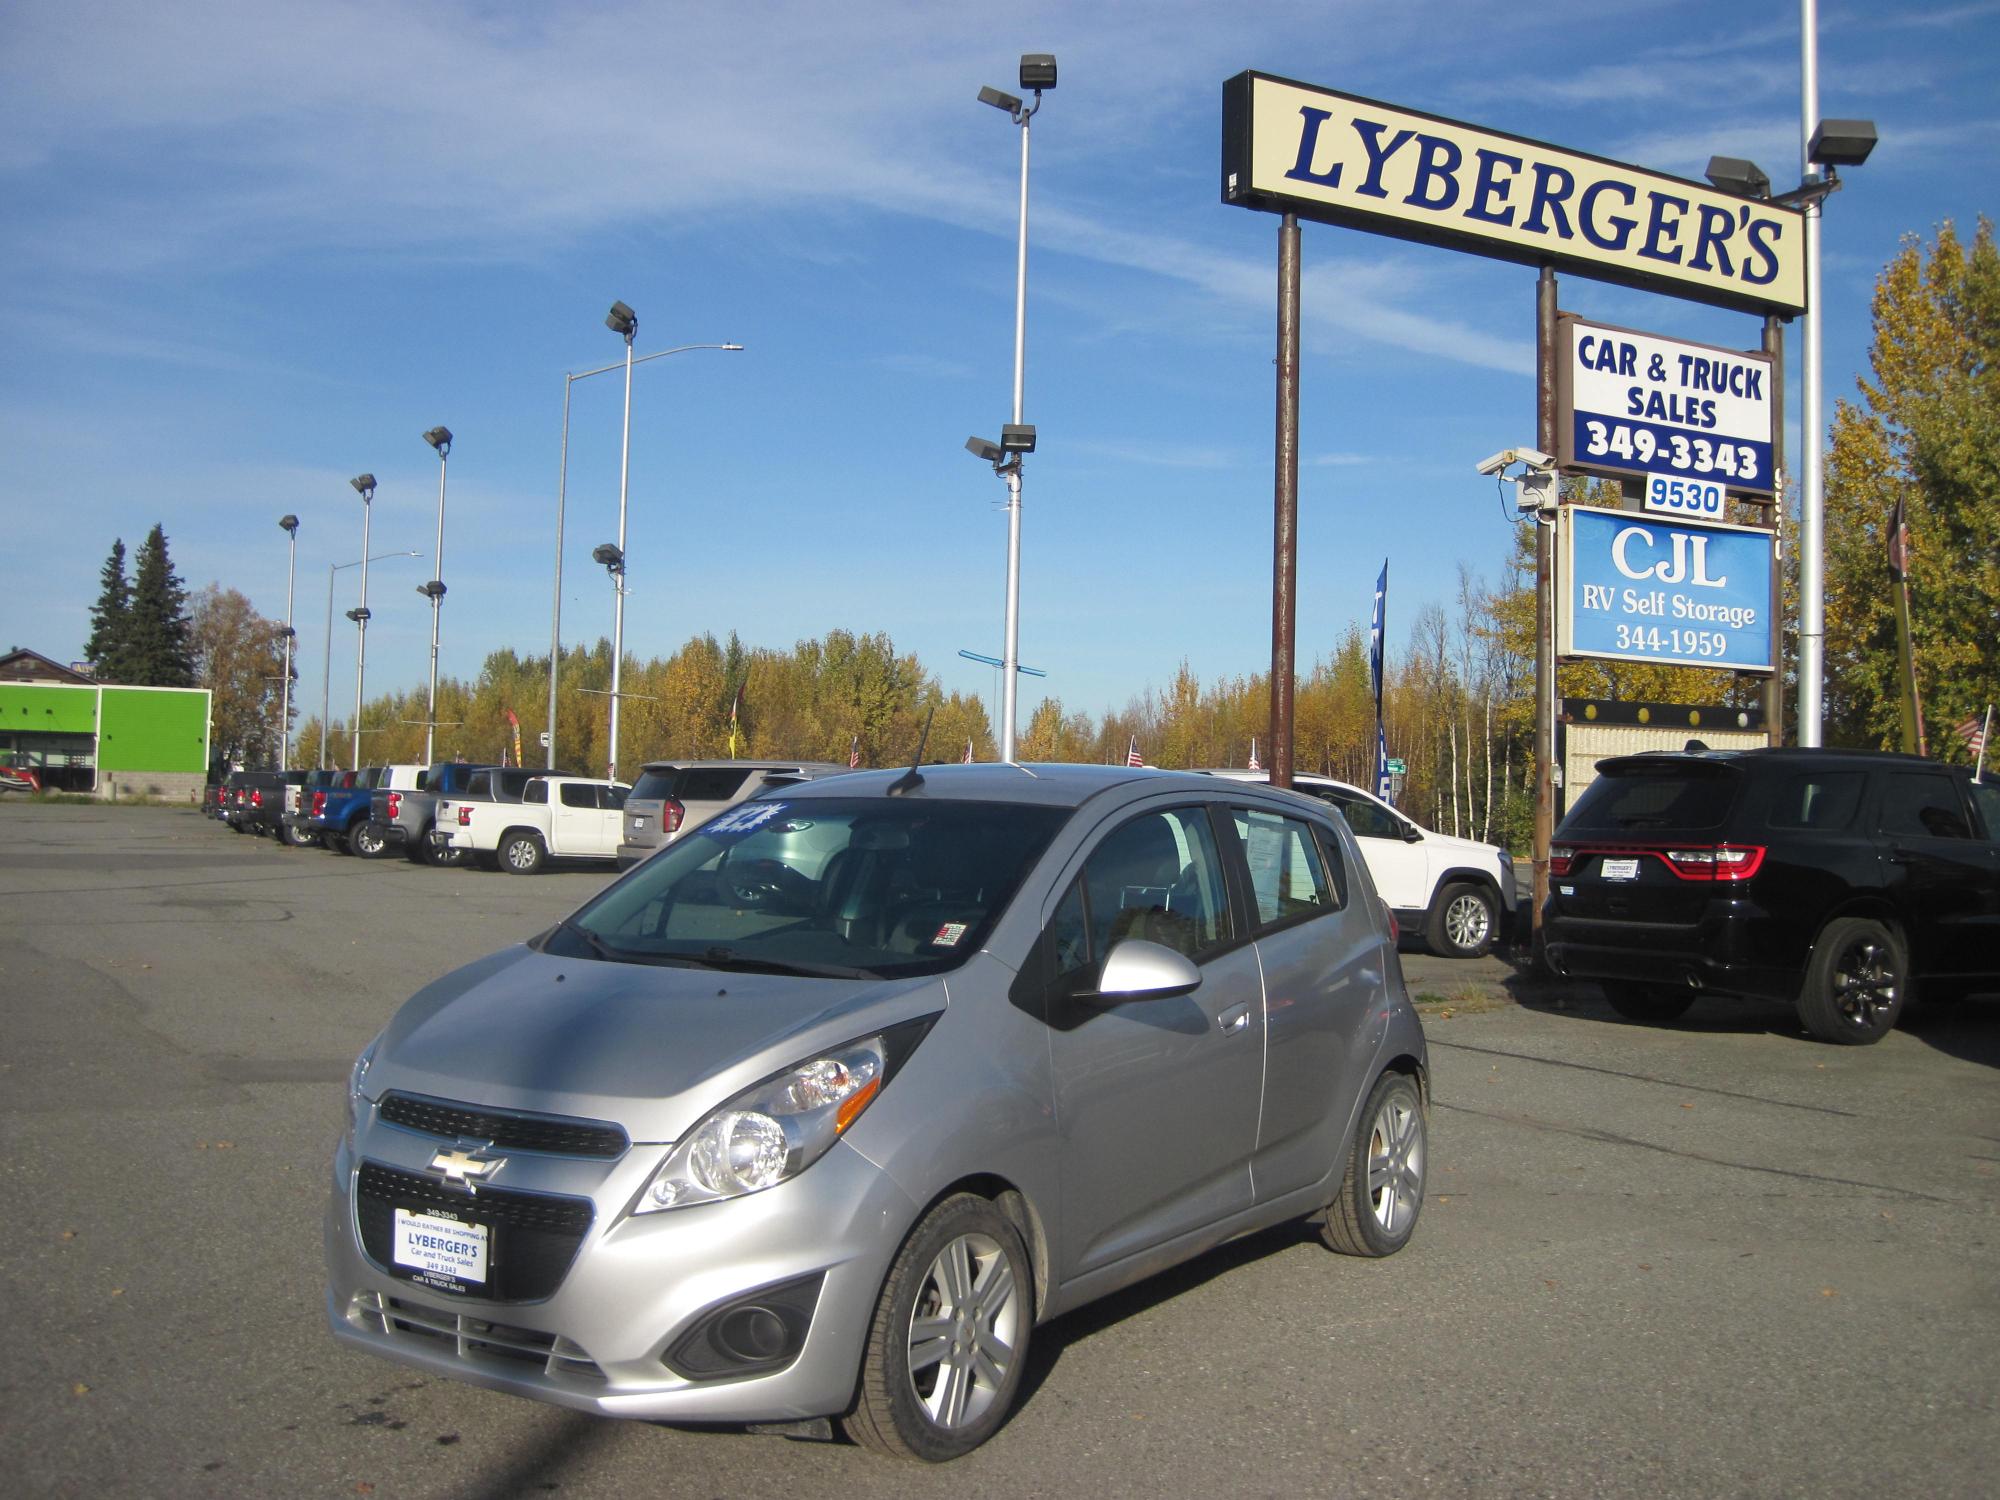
(168, 786)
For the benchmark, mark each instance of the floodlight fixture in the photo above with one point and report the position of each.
(999, 100)
(980, 447)
(364, 486)
(609, 556)
(1017, 437)
(1038, 71)
(1841, 143)
(1733, 174)
(622, 320)
(432, 588)
(361, 615)
(440, 439)
(288, 523)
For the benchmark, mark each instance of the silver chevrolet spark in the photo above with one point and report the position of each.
(821, 1111)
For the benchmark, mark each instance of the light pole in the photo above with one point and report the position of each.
(326, 667)
(364, 486)
(290, 526)
(623, 321)
(440, 439)
(1038, 72)
(562, 495)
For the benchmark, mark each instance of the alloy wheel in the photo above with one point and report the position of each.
(1395, 1163)
(964, 1329)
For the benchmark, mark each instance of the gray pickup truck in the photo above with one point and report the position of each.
(402, 819)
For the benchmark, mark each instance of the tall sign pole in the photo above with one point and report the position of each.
(1285, 521)
(1812, 503)
(1545, 599)
(1774, 686)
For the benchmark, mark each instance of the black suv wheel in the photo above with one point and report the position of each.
(1856, 984)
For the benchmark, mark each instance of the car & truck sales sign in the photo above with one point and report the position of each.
(1293, 148)
(1646, 589)
(1636, 404)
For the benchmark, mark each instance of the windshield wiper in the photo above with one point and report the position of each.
(721, 957)
(597, 944)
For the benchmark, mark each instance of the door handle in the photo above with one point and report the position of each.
(1233, 1020)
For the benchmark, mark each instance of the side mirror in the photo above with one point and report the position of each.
(1139, 970)
(1412, 834)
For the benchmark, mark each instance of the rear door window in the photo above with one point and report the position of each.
(537, 792)
(576, 794)
(1923, 804)
(1288, 878)
(612, 798)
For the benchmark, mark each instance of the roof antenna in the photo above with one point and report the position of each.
(1695, 747)
(911, 779)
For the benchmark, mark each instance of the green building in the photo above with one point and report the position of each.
(78, 734)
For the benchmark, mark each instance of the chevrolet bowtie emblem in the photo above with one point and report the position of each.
(465, 1168)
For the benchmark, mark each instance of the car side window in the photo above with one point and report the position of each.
(1366, 819)
(612, 798)
(1287, 876)
(1986, 797)
(1069, 934)
(1158, 877)
(1820, 800)
(575, 794)
(480, 784)
(535, 791)
(1922, 804)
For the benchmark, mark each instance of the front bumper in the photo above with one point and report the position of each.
(635, 1286)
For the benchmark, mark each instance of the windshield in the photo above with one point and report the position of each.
(853, 889)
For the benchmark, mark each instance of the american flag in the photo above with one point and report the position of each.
(1973, 732)
(967, 758)
(854, 752)
(1132, 755)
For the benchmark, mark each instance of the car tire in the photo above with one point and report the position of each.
(1383, 1192)
(949, 1338)
(523, 853)
(334, 843)
(298, 838)
(1652, 1004)
(1465, 922)
(447, 857)
(1857, 982)
(363, 843)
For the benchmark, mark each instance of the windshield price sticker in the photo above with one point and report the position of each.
(1684, 497)
(439, 1248)
(1630, 403)
(1640, 589)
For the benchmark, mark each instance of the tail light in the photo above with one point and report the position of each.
(671, 813)
(319, 803)
(1561, 857)
(1395, 928)
(395, 805)
(1722, 862)
(256, 796)
(465, 815)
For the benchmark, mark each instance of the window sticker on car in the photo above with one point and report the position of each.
(747, 818)
(1619, 869)
(948, 935)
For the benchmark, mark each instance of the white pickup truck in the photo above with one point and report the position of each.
(558, 817)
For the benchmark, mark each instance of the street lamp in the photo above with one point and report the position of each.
(290, 526)
(622, 321)
(364, 486)
(440, 439)
(1831, 144)
(326, 666)
(562, 497)
(1038, 72)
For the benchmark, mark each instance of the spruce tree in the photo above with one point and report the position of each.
(110, 619)
(161, 654)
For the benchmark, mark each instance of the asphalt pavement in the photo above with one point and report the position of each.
(1712, 1258)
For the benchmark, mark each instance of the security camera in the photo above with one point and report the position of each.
(1534, 458)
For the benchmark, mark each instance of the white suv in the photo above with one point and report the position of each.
(1456, 893)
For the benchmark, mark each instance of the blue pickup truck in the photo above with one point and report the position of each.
(338, 814)
(402, 818)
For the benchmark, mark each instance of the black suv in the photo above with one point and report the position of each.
(1836, 879)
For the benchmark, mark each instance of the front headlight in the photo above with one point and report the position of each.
(357, 1079)
(779, 1127)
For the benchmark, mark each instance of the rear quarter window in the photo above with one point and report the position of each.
(655, 786)
(1823, 801)
(710, 783)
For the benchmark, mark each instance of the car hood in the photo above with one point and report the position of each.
(1463, 851)
(652, 1048)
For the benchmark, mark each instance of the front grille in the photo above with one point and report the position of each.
(554, 1134)
(476, 1340)
(535, 1236)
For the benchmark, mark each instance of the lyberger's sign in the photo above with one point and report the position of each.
(1291, 148)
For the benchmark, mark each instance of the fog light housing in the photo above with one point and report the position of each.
(753, 1334)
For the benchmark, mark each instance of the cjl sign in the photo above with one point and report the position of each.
(1642, 589)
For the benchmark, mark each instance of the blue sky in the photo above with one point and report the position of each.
(251, 249)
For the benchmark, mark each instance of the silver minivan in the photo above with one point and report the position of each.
(671, 797)
(816, 1115)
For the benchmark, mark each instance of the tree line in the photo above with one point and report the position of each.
(1458, 690)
